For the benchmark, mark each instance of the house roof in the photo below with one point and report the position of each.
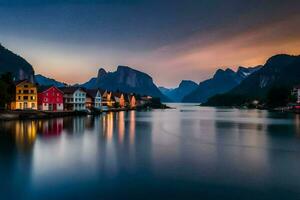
(92, 92)
(45, 88)
(117, 94)
(102, 91)
(21, 81)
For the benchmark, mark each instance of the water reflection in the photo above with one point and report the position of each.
(154, 152)
(51, 127)
(297, 124)
(132, 126)
(121, 126)
(26, 133)
(108, 125)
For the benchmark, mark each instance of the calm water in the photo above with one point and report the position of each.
(185, 153)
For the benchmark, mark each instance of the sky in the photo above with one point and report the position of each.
(171, 40)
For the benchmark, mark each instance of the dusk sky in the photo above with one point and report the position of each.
(169, 39)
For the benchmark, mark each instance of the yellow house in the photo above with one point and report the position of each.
(26, 96)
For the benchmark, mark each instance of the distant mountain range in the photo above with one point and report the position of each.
(125, 79)
(18, 66)
(177, 94)
(45, 81)
(245, 84)
(221, 82)
(279, 71)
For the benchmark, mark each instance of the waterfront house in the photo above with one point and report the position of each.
(50, 98)
(26, 96)
(93, 99)
(74, 98)
(119, 99)
(131, 101)
(296, 92)
(107, 99)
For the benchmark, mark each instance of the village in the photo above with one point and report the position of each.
(31, 100)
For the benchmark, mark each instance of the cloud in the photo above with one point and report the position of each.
(199, 56)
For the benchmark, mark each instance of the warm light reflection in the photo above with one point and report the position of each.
(132, 126)
(108, 125)
(297, 125)
(121, 127)
(25, 134)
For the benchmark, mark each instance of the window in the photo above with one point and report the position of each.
(25, 97)
(32, 105)
(31, 91)
(32, 98)
(45, 104)
(19, 97)
(25, 86)
(19, 91)
(25, 91)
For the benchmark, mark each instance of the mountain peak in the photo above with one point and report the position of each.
(15, 64)
(45, 81)
(184, 83)
(126, 68)
(280, 60)
(221, 73)
(176, 95)
(228, 70)
(241, 68)
(125, 79)
(101, 72)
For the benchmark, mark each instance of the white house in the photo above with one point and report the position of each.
(94, 99)
(74, 98)
(297, 93)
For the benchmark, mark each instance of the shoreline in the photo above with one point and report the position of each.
(8, 115)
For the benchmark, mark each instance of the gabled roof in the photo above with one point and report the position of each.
(21, 81)
(129, 96)
(92, 92)
(117, 94)
(70, 90)
(102, 91)
(45, 88)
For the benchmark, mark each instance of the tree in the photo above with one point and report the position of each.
(7, 89)
(278, 96)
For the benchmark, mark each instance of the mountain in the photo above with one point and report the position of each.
(18, 66)
(280, 71)
(127, 80)
(222, 81)
(177, 94)
(45, 81)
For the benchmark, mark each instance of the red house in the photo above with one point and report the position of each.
(50, 99)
